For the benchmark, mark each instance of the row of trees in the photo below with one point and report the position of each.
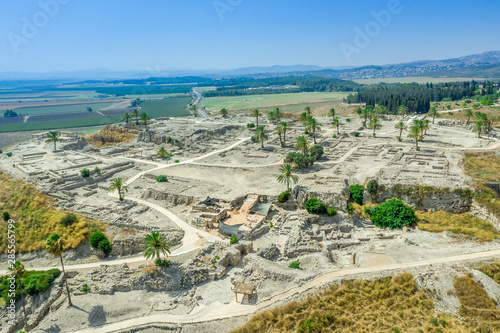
(142, 117)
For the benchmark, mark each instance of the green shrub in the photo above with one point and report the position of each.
(97, 170)
(6, 216)
(294, 264)
(253, 139)
(357, 192)
(283, 197)
(356, 134)
(334, 136)
(372, 186)
(68, 219)
(317, 151)
(434, 322)
(162, 179)
(176, 161)
(105, 246)
(162, 262)
(347, 120)
(85, 173)
(9, 154)
(85, 288)
(96, 238)
(33, 282)
(393, 214)
(368, 211)
(349, 209)
(1, 151)
(315, 206)
(233, 240)
(299, 160)
(331, 211)
(250, 125)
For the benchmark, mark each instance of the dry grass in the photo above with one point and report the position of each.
(484, 168)
(492, 270)
(477, 307)
(36, 218)
(359, 306)
(111, 135)
(458, 224)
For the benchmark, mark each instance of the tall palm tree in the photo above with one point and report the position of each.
(303, 118)
(434, 113)
(401, 126)
(155, 244)
(375, 124)
(271, 116)
(118, 185)
(163, 153)
(55, 245)
(285, 127)
(54, 137)
(313, 125)
(468, 113)
(403, 110)
(308, 110)
(286, 177)
(18, 269)
(260, 135)
(366, 113)
(279, 130)
(127, 117)
(421, 127)
(478, 127)
(278, 114)
(426, 125)
(135, 113)
(256, 114)
(145, 119)
(336, 123)
(414, 134)
(331, 113)
(302, 144)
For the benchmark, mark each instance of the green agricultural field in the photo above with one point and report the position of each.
(272, 100)
(421, 80)
(59, 124)
(38, 110)
(172, 107)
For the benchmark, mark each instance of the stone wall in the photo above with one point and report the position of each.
(482, 213)
(171, 198)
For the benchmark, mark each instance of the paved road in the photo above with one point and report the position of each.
(197, 101)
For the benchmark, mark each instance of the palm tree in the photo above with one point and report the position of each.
(375, 124)
(260, 135)
(256, 114)
(278, 114)
(331, 113)
(279, 130)
(54, 137)
(118, 185)
(468, 113)
(336, 123)
(163, 153)
(135, 113)
(308, 110)
(302, 144)
(434, 113)
(403, 110)
(18, 269)
(380, 109)
(145, 119)
(286, 177)
(426, 125)
(313, 125)
(478, 127)
(224, 112)
(156, 243)
(401, 126)
(415, 134)
(303, 118)
(127, 117)
(55, 245)
(271, 116)
(285, 127)
(366, 113)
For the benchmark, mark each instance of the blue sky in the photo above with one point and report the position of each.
(194, 34)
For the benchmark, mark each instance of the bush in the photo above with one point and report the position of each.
(368, 211)
(399, 138)
(85, 288)
(253, 139)
(233, 240)
(85, 173)
(9, 154)
(96, 238)
(357, 192)
(372, 186)
(317, 151)
(294, 264)
(356, 134)
(69, 219)
(334, 136)
(348, 120)
(33, 282)
(97, 170)
(6, 216)
(176, 161)
(169, 139)
(162, 262)
(393, 214)
(162, 179)
(349, 209)
(315, 206)
(105, 246)
(251, 125)
(331, 211)
(299, 160)
(283, 197)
